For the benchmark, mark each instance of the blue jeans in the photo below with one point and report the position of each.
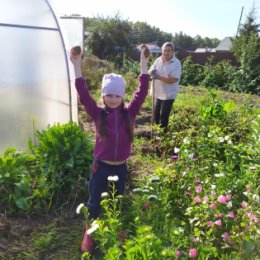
(98, 183)
(162, 112)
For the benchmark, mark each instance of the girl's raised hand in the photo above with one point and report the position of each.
(145, 51)
(75, 57)
(75, 54)
(144, 58)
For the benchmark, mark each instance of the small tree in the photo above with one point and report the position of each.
(108, 36)
(192, 74)
(246, 48)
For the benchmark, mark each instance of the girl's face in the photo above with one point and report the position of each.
(113, 101)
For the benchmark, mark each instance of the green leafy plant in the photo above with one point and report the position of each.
(64, 154)
(21, 185)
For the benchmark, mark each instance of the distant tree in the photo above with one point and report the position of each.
(186, 42)
(246, 48)
(250, 25)
(143, 33)
(108, 36)
(210, 42)
(182, 41)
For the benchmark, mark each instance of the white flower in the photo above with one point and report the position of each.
(190, 156)
(209, 135)
(252, 168)
(93, 228)
(113, 178)
(215, 164)
(245, 193)
(221, 139)
(154, 179)
(181, 229)
(255, 197)
(104, 194)
(176, 149)
(226, 137)
(80, 206)
(152, 197)
(229, 204)
(213, 187)
(229, 142)
(219, 174)
(186, 140)
(137, 190)
(145, 190)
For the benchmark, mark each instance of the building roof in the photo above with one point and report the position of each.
(206, 49)
(152, 47)
(225, 44)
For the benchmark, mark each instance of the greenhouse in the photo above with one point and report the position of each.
(36, 81)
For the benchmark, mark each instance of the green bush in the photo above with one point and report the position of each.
(64, 154)
(218, 76)
(192, 74)
(212, 113)
(22, 187)
(247, 51)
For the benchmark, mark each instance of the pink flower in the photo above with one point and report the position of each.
(218, 215)
(228, 197)
(205, 199)
(222, 199)
(197, 199)
(248, 188)
(218, 223)
(253, 217)
(146, 205)
(230, 214)
(230, 241)
(213, 206)
(210, 223)
(199, 188)
(225, 236)
(193, 252)
(197, 181)
(194, 239)
(178, 254)
(175, 157)
(187, 193)
(244, 204)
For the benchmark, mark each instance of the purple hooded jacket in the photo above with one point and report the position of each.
(117, 145)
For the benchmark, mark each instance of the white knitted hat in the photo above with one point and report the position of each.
(113, 84)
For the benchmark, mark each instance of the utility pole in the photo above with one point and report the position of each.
(240, 20)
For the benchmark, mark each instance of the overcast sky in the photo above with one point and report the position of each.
(207, 18)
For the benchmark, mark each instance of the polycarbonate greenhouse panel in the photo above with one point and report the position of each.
(35, 13)
(73, 26)
(73, 31)
(35, 82)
